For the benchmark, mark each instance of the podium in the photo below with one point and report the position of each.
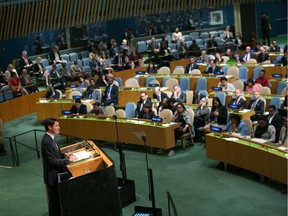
(93, 189)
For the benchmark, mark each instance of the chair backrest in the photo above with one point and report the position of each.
(154, 82)
(141, 46)
(284, 91)
(60, 93)
(225, 59)
(189, 97)
(110, 110)
(222, 97)
(169, 93)
(191, 113)
(211, 57)
(178, 71)
(233, 71)
(1, 100)
(267, 62)
(86, 61)
(201, 84)
(131, 82)
(45, 62)
(256, 72)
(120, 113)
(89, 106)
(130, 110)
(87, 68)
(265, 90)
(225, 68)
(243, 73)
(185, 83)
(194, 35)
(170, 83)
(66, 57)
(148, 80)
(166, 115)
(73, 56)
(280, 87)
(116, 83)
(195, 72)
(264, 101)
(276, 101)
(97, 95)
(85, 54)
(238, 84)
(7, 92)
(164, 70)
(74, 93)
(252, 61)
(249, 125)
(155, 111)
(179, 66)
(119, 80)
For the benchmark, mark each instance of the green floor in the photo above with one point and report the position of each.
(197, 187)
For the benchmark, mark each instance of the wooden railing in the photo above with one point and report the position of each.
(22, 18)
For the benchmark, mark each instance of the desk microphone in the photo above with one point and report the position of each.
(89, 145)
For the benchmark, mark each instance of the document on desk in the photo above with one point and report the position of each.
(244, 110)
(81, 155)
(231, 139)
(259, 140)
(282, 148)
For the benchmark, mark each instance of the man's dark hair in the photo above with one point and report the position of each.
(49, 122)
(223, 78)
(78, 100)
(272, 106)
(236, 118)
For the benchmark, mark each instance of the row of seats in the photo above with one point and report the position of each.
(6, 93)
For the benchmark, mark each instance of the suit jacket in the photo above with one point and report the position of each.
(36, 67)
(82, 110)
(259, 108)
(216, 69)
(181, 98)
(195, 66)
(251, 56)
(162, 95)
(277, 122)
(138, 111)
(22, 63)
(262, 57)
(240, 59)
(52, 56)
(53, 161)
(240, 103)
(113, 94)
(49, 94)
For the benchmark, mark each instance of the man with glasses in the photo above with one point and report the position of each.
(144, 101)
(201, 116)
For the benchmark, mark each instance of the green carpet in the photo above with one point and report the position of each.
(197, 187)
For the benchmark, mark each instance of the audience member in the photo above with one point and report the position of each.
(204, 57)
(182, 48)
(90, 89)
(98, 109)
(229, 54)
(143, 102)
(25, 62)
(248, 55)
(194, 49)
(164, 47)
(110, 96)
(178, 95)
(275, 120)
(218, 58)
(95, 65)
(262, 80)
(264, 130)
(148, 112)
(114, 50)
(136, 59)
(8, 72)
(212, 46)
(251, 87)
(38, 67)
(238, 43)
(27, 82)
(153, 48)
(15, 84)
(151, 69)
(238, 100)
(82, 83)
(238, 58)
(262, 56)
(55, 56)
(158, 95)
(78, 107)
(124, 46)
(176, 36)
(283, 60)
(284, 105)
(57, 77)
(213, 68)
(77, 70)
(67, 73)
(283, 133)
(201, 116)
(52, 93)
(192, 65)
(257, 105)
(274, 47)
(225, 85)
(265, 27)
(228, 35)
(236, 125)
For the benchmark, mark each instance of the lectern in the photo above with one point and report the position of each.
(93, 188)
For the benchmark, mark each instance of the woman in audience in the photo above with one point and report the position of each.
(136, 58)
(238, 41)
(251, 87)
(204, 57)
(98, 110)
(264, 130)
(15, 84)
(151, 69)
(164, 47)
(148, 113)
(90, 89)
(236, 125)
(218, 116)
(218, 58)
(82, 83)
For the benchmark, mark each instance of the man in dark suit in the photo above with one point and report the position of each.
(275, 119)
(158, 95)
(55, 56)
(256, 105)
(263, 56)
(247, 55)
(54, 162)
(24, 62)
(238, 100)
(144, 101)
(237, 57)
(178, 95)
(110, 96)
(78, 108)
(212, 46)
(191, 66)
(213, 67)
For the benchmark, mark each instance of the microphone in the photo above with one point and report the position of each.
(89, 145)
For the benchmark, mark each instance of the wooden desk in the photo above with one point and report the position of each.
(249, 155)
(46, 108)
(129, 130)
(243, 114)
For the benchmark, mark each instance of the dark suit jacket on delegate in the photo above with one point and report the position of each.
(195, 66)
(163, 95)
(22, 63)
(259, 108)
(139, 113)
(82, 110)
(251, 56)
(241, 103)
(277, 122)
(113, 94)
(181, 98)
(52, 56)
(53, 161)
(216, 69)
(262, 57)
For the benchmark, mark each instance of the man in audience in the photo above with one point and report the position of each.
(264, 130)
(78, 107)
(148, 112)
(182, 48)
(57, 77)
(247, 55)
(114, 50)
(283, 133)
(158, 95)
(256, 105)
(55, 56)
(153, 48)
(52, 93)
(25, 62)
(98, 109)
(192, 65)
(262, 80)
(204, 57)
(237, 57)
(225, 85)
(283, 60)
(78, 70)
(275, 120)
(262, 56)
(212, 46)
(274, 47)
(110, 96)
(95, 65)
(67, 73)
(178, 95)
(124, 46)
(143, 102)
(176, 36)
(201, 116)
(15, 84)
(28, 82)
(213, 68)
(229, 54)
(238, 100)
